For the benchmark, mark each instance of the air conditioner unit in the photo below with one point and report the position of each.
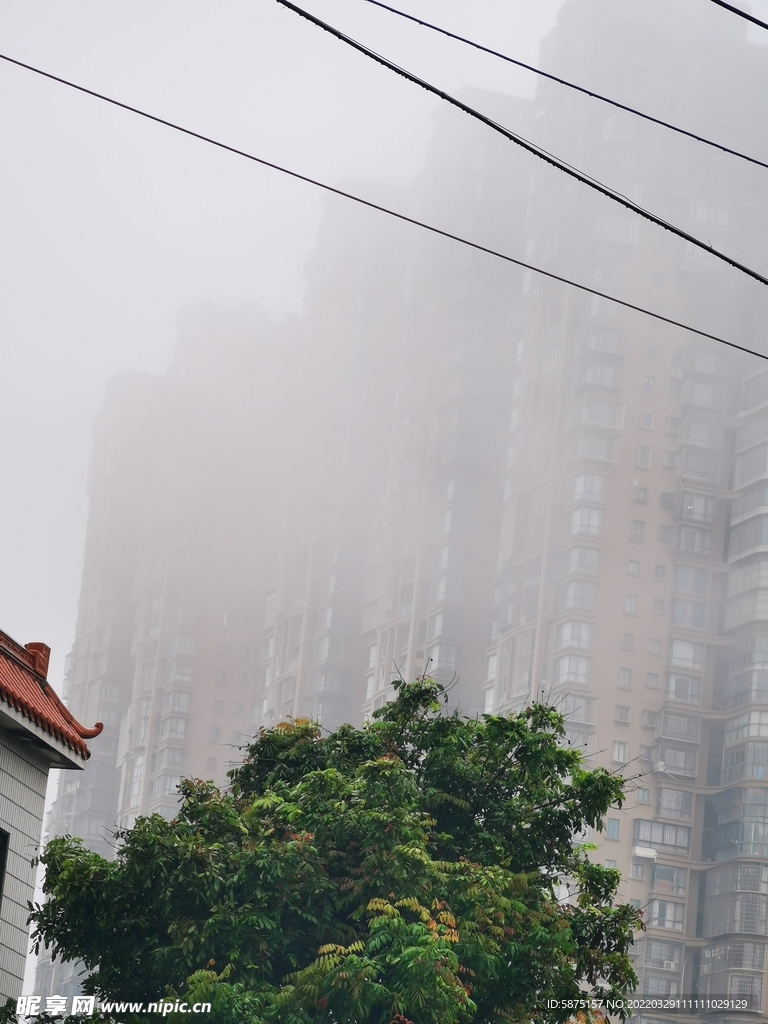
(670, 965)
(644, 851)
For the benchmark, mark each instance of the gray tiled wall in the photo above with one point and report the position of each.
(23, 776)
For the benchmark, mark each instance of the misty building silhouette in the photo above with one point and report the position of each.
(451, 466)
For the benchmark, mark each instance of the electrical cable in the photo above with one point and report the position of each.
(570, 85)
(382, 209)
(530, 147)
(741, 14)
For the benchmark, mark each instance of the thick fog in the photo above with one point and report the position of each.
(111, 225)
(265, 448)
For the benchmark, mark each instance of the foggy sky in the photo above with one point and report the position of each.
(111, 225)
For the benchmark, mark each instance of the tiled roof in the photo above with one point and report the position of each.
(23, 686)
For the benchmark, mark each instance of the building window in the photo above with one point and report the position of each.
(669, 879)
(637, 870)
(587, 520)
(666, 914)
(625, 678)
(620, 748)
(652, 680)
(694, 540)
(643, 456)
(640, 495)
(575, 634)
(580, 739)
(643, 795)
(589, 487)
(658, 606)
(572, 668)
(578, 594)
(664, 533)
(583, 560)
(611, 864)
(622, 713)
(214, 734)
(183, 643)
(637, 531)
(706, 362)
(691, 580)
(136, 780)
(322, 648)
(687, 654)
(597, 446)
(675, 803)
(646, 421)
(746, 761)
(660, 573)
(666, 499)
(689, 614)
(649, 385)
(173, 728)
(663, 837)
(703, 465)
(679, 760)
(669, 461)
(612, 828)
(628, 641)
(218, 705)
(434, 626)
(179, 672)
(633, 568)
(443, 657)
(174, 700)
(698, 507)
(630, 604)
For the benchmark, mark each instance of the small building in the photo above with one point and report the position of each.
(37, 733)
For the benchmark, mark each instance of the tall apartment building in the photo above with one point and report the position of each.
(186, 491)
(620, 592)
(451, 466)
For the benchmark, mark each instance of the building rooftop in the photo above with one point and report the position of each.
(25, 688)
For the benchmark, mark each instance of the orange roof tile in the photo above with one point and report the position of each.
(23, 685)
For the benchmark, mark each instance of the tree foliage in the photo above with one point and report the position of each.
(405, 871)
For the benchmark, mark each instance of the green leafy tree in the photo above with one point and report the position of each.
(406, 871)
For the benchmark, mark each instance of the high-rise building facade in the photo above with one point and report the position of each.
(617, 595)
(456, 467)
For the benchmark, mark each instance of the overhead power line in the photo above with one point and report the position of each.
(741, 14)
(570, 85)
(382, 209)
(530, 147)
